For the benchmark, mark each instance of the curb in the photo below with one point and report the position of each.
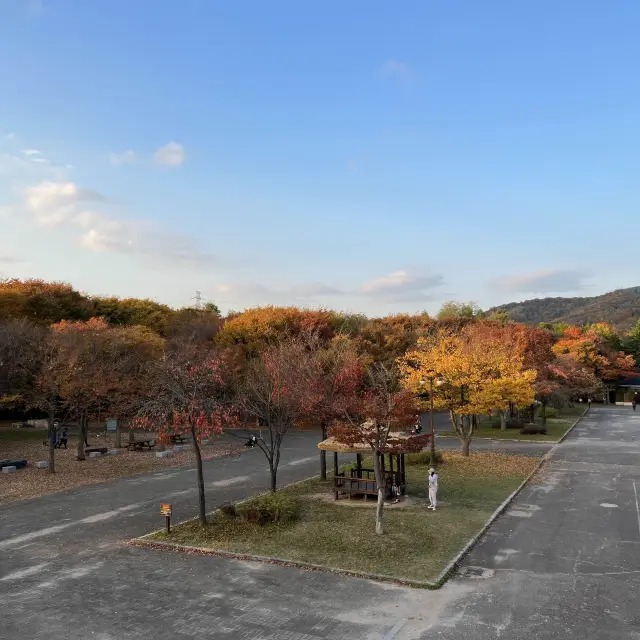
(203, 551)
(442, 578)
(507, 439)
(445, 574)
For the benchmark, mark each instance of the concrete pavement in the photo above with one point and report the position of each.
(559, 564)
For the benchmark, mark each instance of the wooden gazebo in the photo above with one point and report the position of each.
(361, 481)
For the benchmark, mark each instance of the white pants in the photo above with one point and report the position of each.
(433, 493)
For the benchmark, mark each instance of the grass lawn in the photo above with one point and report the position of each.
(556, 427)
(417, 543)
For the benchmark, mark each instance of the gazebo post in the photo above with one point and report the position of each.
(359, 464)
(335, 473)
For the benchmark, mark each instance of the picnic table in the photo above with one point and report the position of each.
(179, 438)
(139, 445)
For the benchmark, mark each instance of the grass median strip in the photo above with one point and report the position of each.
(417, 543)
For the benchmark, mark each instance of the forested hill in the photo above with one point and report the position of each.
(620, 308)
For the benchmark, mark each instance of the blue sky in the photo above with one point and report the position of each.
(363, 155)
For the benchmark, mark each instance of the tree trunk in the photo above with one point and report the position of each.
(380, 482)
(323, 455)
(273, 471)
(81, 440)
(52, 448)
(544, 414)
(466, 444)
(118, 434)
(202, 513)
(503, 420)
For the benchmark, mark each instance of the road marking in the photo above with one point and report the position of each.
(396, 627)
(635, 493)
(24, 573)
(48, 531)
(609, 505)
(293, 463)
(229, 481)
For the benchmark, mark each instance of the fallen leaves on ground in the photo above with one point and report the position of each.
(32, 482)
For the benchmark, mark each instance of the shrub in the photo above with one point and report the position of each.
(424, 457)
(515, 424)
(271, 508)
(533, 428)
(228, 509)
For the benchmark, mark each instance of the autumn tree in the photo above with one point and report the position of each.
(371, 414)
(19, 340)
(594, 348)
(280, 389)
(453, 309)
(255, 330)
(190, 389)
(42, 302)
(478, 369)
(387, 339)
(339, 371)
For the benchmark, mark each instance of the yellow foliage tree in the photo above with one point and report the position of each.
(476, 370)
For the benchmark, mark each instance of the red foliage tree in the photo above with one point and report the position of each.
(280, 389)
(371, 414)
(189, 389)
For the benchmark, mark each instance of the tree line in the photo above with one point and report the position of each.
(357, 378)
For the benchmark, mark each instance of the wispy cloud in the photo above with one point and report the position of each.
(396, 69)
(399, 286)
(403, 286)
(171, 155)
(544, 281)
(126, 157)
(68, 207)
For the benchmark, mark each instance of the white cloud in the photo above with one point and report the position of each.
(31, 152)
(544, 281)
(402, 286)
(61, 205)
(171, 155)
(53, 203)
(397, 287)
(396, 69)
(126, 157)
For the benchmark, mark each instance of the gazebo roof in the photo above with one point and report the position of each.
(398, 442)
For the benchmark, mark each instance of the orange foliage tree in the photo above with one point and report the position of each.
(254, 330)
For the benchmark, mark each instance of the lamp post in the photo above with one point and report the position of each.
(431, 424)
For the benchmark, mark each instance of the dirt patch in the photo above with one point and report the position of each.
(32, 482)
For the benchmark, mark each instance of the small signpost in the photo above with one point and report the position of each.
(165, 510)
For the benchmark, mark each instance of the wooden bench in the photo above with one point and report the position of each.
(366, 485)
(179, 438)
(139, 445)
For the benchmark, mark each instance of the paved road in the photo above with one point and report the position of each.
(65, 573)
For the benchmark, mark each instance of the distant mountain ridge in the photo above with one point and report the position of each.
(621, 308)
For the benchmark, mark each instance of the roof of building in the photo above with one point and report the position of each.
(396, 443)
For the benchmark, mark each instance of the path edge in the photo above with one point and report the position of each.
(445, 574)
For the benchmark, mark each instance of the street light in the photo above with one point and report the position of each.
(433, 431)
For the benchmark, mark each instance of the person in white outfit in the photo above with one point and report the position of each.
(433, 489)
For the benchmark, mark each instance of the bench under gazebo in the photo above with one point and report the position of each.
(360, 481)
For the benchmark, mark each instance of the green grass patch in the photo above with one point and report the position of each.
(417, 543)
(556, 427)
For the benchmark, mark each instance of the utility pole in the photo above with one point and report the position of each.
(198, 299)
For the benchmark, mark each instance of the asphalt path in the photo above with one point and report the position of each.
(66, 572)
